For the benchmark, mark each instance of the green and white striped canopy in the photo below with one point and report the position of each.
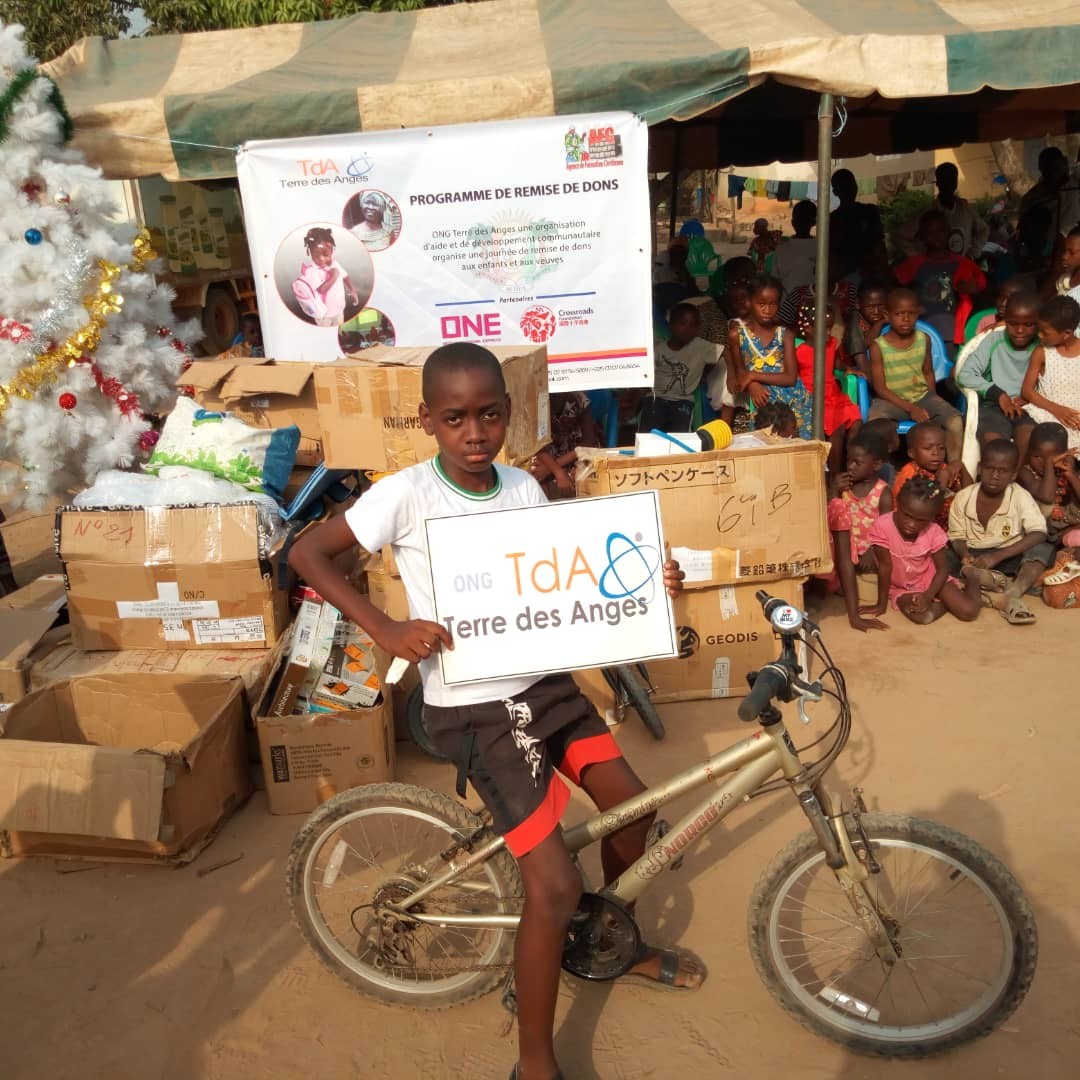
(744, 73)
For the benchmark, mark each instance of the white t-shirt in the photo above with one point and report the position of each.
(677, 372)
(393, 511)
(795, 262)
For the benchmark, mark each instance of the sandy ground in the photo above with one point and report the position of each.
(124, 973)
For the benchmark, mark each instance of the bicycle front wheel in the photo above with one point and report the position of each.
(965, 932)
(369, 847)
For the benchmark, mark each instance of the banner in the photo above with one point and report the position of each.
(531, 231)
(549, 603)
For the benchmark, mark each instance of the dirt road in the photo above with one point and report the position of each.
(125, 973)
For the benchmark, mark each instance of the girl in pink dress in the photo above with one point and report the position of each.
(913, 571)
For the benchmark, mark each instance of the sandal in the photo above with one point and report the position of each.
(670, 963)
(1063, 574)
(1017, 613)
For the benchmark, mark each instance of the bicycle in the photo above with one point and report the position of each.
(892, 935)
(632, 689)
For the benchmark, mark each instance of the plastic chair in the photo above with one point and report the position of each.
(939, 355)
(604, 406)
(970, 453)
(972, 323)
(856, 388)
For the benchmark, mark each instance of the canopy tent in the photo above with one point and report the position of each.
(917, 75)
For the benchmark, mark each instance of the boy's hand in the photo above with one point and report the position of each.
(1009, 406)
(673, 578)
(918, 414)
(857, 622)
(414, 640)
(1066, 462)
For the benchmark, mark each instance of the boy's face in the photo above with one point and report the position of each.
(1070, 257)
(738, 301)
(1051, 337)
(764, 305)
(468, 415)
(913, 515)
(903, 315)
(872, 305)
(685, 327)
(997, 471)
(322, 255)
(1041, 456)
(926, 448)
(861, 464)
(1007, 292)
(252, 332)
(1020, 326)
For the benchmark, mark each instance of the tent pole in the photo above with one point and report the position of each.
(821, 282)
(676, 162)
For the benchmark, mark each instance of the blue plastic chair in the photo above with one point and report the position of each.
(939, 355)
(604, 406)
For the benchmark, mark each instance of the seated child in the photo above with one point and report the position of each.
(680, 363)
(865, 323)
(926, 448)
(902, 374)
(887, 429)
(860, 497)
(910, 549)
(486, 727)
(1052, 383)
(1069, 282)
(778, 419)
(996, 318)
(762, 354)
(996, 368)
(572, 425)
(1049, 476)
(842, 416)
(944, 281)
(998, 534)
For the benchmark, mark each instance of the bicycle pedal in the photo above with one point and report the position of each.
(657, 831)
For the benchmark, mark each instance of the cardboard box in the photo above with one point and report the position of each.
(722, 636)
(122, 767)
(755, 514)
(368, 407)
(28, 539)
(170, 578)
(262, 393)
(253, 667)
(26, 617)
(304, 756)
(297, 667)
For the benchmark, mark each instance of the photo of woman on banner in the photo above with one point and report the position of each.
(319, 281)
(373, 218)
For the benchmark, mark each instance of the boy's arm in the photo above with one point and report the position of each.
(311, 557)
(1025, 543)
(974, 375)
(1042, 488)
(928, 369)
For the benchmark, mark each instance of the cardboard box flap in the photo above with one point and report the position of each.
(20, 631)
(45, 593)
(81, 790)
(206, 374)
(159, 535)
(289, 378)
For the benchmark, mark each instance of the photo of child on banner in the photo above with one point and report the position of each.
(323, 274)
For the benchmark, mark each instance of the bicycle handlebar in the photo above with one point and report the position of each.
(780, 679)
(771, 681)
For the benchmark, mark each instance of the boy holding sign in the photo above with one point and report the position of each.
(512, 736)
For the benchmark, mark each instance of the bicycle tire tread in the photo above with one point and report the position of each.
(973, 855)
(412, 797)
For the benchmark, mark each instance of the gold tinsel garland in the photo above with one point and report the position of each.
(100, 304)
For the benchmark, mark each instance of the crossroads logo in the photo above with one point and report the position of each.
(592, 148)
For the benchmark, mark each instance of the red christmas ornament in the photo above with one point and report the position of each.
(33, 188)
(163, 331)
(149, 439)
(67, 401)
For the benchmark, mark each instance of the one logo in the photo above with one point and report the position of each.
(538, 323)
(631, 567)
(688, 641)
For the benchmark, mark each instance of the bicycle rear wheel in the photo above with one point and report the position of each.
(373, 845)
(965, 931)
(638, 696)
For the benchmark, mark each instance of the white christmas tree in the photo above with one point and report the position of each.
(88, 343)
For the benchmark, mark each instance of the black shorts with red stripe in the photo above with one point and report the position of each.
(515, 748)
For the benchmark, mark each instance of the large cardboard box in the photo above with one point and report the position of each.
(122, 767)
(723, 635)
(26, 617)
(305, 757)
(28, 539)
(253, 667)
(262, 393)
(170, 578)
(755, 514)
(368, 407)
